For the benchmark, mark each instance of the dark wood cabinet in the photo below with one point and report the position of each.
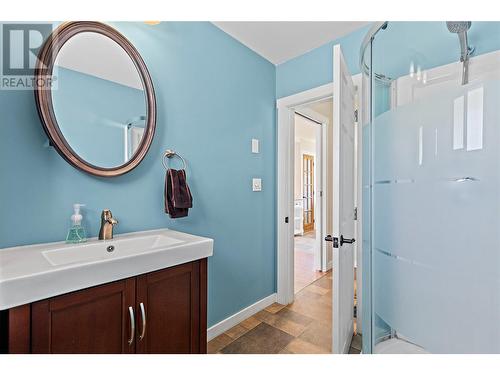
(159, 312)
(94, 320)
(171, 299)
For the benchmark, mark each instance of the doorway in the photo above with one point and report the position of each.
(342, 199)
(307, 197)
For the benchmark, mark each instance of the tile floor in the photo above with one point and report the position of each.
(305, 273)
(303, 327)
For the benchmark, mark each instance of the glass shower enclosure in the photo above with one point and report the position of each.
(431, 187)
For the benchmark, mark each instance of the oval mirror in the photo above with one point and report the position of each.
(100, 111)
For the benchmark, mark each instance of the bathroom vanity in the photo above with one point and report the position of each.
(143, 292)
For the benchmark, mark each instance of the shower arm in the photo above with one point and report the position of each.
(464, 56)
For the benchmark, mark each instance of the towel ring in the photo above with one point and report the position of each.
(170, 154)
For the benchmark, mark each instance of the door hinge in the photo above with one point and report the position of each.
(356, 115)
(286, 220)
(355, 213)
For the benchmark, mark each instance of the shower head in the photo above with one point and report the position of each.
(460, 28)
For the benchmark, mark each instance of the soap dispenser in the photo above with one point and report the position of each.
(76, 234)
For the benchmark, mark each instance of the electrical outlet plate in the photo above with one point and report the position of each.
(255, 146)
(257, 184)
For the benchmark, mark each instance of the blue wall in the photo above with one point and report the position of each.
(214, 95)
(315, 68)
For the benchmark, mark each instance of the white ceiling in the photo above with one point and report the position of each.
(282, 41)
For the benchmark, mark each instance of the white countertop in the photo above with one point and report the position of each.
(35, 272)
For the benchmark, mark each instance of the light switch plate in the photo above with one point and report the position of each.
(255, 146)
(257, 184)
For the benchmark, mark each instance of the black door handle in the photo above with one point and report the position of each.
(335, 240)
(346, 240)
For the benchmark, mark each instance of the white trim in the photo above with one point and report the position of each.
(285, 197)
(240, 316)
(308, 96)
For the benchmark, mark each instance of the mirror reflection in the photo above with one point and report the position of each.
(99, 101)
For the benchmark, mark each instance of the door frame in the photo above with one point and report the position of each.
(286, 107)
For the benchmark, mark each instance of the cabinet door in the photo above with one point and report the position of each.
(94, 320)
(171, 302)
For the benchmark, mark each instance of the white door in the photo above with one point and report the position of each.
(343, 203)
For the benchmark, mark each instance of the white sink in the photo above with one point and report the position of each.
(103, 250)
(35, 272)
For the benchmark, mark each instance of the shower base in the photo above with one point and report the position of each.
(398, 346)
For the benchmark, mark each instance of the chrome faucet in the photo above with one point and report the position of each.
(107, 224)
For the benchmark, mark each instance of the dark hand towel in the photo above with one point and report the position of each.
(178, 198)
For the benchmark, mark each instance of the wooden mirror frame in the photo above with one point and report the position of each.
(43, 96)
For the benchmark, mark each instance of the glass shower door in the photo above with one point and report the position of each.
(432, 180)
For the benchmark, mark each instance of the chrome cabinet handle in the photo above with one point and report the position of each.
(132, 325)
(143, 318)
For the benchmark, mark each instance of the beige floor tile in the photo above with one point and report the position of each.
(286, 320)
(294, 317)
(218, 343)
(318, 290)
(313, 308)
(303, 327)
(306, 293)
(274, 308)
(318, 334)
(263, 339)
(265, 316)
(250, 323)
(299, 346)
(237, 331)
(324, 282)
(289, 327)
(327, 300)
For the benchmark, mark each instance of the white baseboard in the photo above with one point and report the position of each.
(240, 316)
(328, 267)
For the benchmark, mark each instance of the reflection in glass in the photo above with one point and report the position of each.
(99, 102)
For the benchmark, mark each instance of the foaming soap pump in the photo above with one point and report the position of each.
(76, 233)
